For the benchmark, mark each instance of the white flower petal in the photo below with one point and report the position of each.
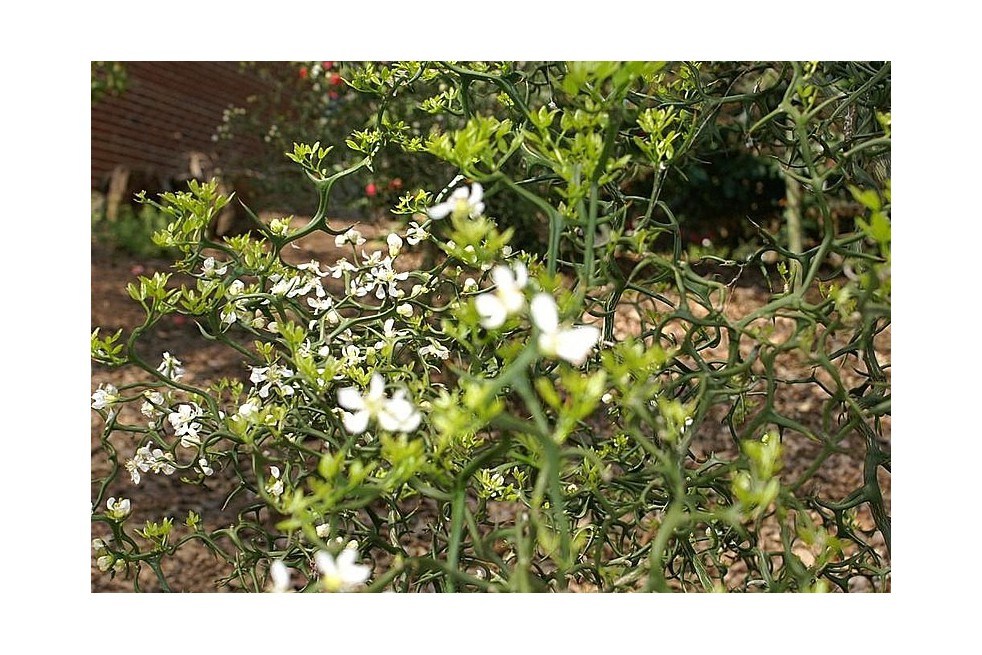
(411, 422)
(521, 275)
(513, 300)
(575, 344)
(491, 309)
(355, 575)
(477, 193)
(349, 398)
(346, 558)
(502, 276)
(355, 423)
(399, 415)
(280, 576)
(439, 211)
(548, 343)
(376, 388)
(351, 573)
(341, 574)
(325, 563)
(544, 312)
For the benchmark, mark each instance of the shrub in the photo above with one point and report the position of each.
(484, 421)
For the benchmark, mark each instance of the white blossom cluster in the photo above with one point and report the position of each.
(506, 297)
(564, 341)
(395, 413)
(341, 573)
(270, 378)
(146, 460)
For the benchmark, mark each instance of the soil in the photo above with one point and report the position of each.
(194, 569)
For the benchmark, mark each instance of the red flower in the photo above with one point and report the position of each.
(328, 65)
(335, 79)
(303, 71)
(395, 183)
(333, 95)
(371, 190)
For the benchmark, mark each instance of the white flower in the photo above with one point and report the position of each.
(184, 424)
(340, 267)
(208, 268)
(118, 509)
(273, 376)
(416, 233)
(144, 460)
(375, 258)
(171, 367)
(343, 573)
(285, 286)
(404, 310)
(133, 467)
(470, 285)
(274, 486)
(149, 407)
(249, 411)
(229, 314)
(106, 562)
(507, 297)
(320, 304)
(350, 356)
(237, 287)
(362, 407)
(104, 559)
(312, 265)
(259, 320)
(205, 467)
(493, 483)
(279, 575)
(105, 396)
(162, 462)
(385, 279)
(358, 287)
(389, 334)
(462, 203)
(572, 344)
(435, 349)
(396, 414)
(394, 241)
(352, 236)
